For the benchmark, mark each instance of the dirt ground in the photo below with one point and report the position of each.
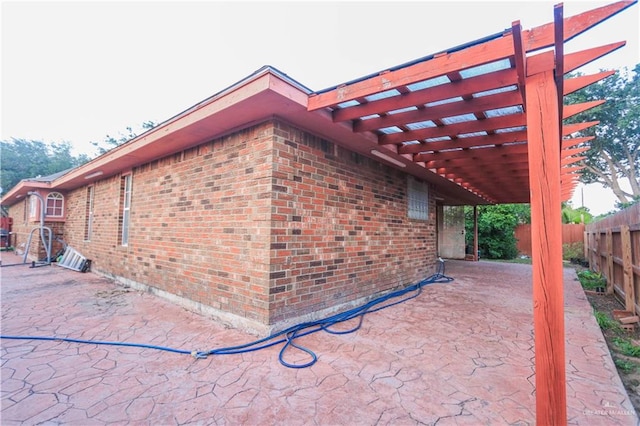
(628, 367)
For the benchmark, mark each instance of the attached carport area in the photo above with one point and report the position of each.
(460, 353)
(489, 116)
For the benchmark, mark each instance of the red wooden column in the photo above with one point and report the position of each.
(543, 123)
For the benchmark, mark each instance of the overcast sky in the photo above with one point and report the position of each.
(77, 71)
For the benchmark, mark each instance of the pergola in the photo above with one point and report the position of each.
(488, 116)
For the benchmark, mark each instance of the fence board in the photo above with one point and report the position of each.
(571, 233)
(619, 236)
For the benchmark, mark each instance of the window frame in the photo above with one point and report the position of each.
(417, 199)
(88, 227)
(55, 197)
(126, 187)
(33, 207)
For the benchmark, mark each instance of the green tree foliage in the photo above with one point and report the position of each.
(496, 226)
(615, 152)
(111, 142)
(22, 159)
(579, 215)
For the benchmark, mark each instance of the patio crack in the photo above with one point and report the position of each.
(462, 412)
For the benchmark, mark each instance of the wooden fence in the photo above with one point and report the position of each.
(571, 233)
(612, 247)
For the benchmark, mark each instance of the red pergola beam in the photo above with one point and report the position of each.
(475, 164)
(544, 35)
(573, 109)
(569, 129)
(566, 153)
(483, 103)
(568, 143)
(467, 86)
(570, 160)
(513, 120)
(492, 139)
(479, 54)
(576, 83)
(578, 59)
(494, 154)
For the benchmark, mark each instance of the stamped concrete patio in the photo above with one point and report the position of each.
(461, 353)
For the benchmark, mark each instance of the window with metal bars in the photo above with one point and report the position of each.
(418, 199)
(88, 219)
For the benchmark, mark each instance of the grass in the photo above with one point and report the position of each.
(626, 347)
(591, 280)
(625, 366)
(604, 321)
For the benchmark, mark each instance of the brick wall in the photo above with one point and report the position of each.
(21, 227)
(340, 227)
(270, 224)
(199, 224)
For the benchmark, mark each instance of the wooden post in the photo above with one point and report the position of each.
(546, 246)
(476, 257)
(609, 261)
(597, 260)
(587, 251)
(627, 266)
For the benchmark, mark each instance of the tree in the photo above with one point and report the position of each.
(22, 159)
(110, 142)
(578, 215)
(615, 152)
(496, 228)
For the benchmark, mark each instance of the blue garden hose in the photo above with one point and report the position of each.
(287, 336)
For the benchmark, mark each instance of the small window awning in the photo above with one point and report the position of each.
(462, 113)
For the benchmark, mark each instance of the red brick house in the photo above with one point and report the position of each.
(247, 207)
(268, 204)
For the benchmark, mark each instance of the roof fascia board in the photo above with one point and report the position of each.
(18, 192)
(257, 84)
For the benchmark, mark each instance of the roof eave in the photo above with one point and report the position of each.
(265, 94)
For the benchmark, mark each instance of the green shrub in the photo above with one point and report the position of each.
(591, 280)
(573, 251)
(496, 225)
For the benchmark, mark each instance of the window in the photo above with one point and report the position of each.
(33, 206)
(55, 205)
(88, 219)
(125, 213)
(25, 215)
(418, 199)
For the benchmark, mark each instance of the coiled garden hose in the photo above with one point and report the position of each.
(287, 336)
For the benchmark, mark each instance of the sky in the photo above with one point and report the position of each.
(78, 71)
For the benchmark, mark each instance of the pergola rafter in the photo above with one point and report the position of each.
(488, 117)
(472, 97)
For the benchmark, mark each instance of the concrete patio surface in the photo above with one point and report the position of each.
(459, 354)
